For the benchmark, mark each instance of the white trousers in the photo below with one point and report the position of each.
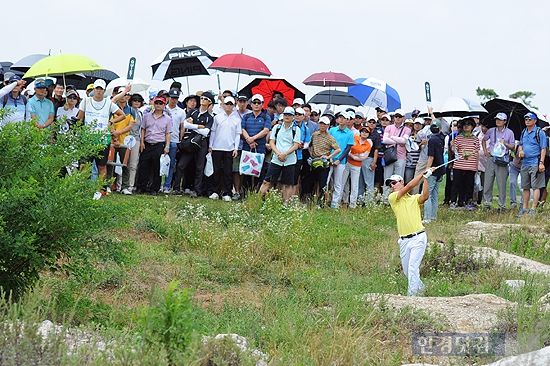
(411, 251)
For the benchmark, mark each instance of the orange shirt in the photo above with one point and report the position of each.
(359, 148)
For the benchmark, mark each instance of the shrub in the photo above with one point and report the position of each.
(45, 219)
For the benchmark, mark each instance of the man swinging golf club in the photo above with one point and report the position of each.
(412, 236)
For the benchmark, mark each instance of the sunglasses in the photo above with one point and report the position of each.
(528, 118)
(159, 102)
(393, 182)
(136, 100)
(256, 102)
(385, 120)
(205, 98)
(398, 116)
(299, 114)
(72, 97)
(229, 103)
(314, 114)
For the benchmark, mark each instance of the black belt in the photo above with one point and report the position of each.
(412, 235)
(154, 143)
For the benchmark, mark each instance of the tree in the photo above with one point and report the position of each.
(47, 220)
(486, 94)
(524, 96)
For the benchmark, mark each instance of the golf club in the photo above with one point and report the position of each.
(450, 161)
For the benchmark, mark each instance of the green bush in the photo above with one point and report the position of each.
(46, 219)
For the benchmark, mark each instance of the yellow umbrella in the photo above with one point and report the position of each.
(62, 64)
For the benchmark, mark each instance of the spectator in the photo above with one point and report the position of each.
(532, 148)
(156, 128)
(136, 102)
(70, 108)
(323, 148)
(255, 126)
(368, 166)
(16, 106)
(396, 135)
(199, 122)
(344, 137)
(284, 141)
(413, 153)
(422, 138)
(224, 144)
(41, 107)
(492, 169)
(435, 150)
(178, 116)
(302, 153)
(466, 145)
(358, 153)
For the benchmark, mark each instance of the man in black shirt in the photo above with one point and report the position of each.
(436, 146)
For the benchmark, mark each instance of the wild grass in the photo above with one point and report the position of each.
(289, 279)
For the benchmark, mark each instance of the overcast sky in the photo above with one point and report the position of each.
(455, 45)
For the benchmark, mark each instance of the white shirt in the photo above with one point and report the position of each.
(226, 132)
(178, 117)
(98, 111)
(69, 112)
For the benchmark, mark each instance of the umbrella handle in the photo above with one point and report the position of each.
(219, 83)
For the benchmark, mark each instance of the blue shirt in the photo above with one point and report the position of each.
(305, 136)
(42, 108)
(532, 148)
(343, 138)
(284, 142)
(254, 125)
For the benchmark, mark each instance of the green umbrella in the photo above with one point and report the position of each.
(62, 64)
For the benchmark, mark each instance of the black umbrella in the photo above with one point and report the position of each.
(335, 97)
(183, 61)
(82, 80)
(5, 67)
(26, 62)
(515, 112)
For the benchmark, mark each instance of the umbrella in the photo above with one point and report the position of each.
(515, 112)
(329, 79)
(183, 61)
(61, 64)
(26, 62)
(81, 80)
(266, 87)
(5, 67)
(335, 97)
(241, 64)
(375, 93)
(138, 85)
(459, 107)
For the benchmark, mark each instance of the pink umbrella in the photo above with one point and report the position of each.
(329, 79)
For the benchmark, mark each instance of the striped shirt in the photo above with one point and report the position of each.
(467, 146)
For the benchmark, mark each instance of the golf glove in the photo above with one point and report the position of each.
(427, 173)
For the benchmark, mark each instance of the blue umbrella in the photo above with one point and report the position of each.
(375, 93)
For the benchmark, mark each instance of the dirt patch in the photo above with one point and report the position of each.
(476, 229)
(467, 314)
(249, 293)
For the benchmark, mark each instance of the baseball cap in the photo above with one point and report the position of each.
(300, 110)
(100, 83)
(386, 116)
(242, 97)
(329, 112)
(315, 109)
(90, 86)
(371, 117)
(501, 116)
(408, 120)
(394, 177)
(399, 111)
(175, 84)
(351, 114)
(71, 92)
(50, 82)
(40, 83)
(257, 97)
(174, 93)
(14, 78)
(359, 114)
(342, 114)
(229, 99)
(208, 95)
(436, 123)
(416, 112)
(299, 101)
(324, 120)
(427, 117)
(380, 109)
(531, 115)
(162, 99)
(289, 110)
(419, 120)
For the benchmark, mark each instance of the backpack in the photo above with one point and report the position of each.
(24, 103)
(281, 126)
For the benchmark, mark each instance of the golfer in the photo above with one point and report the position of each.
(412, 236)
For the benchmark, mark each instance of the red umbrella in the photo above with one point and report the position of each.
(241, 64)
(329, 79)
(266, 87)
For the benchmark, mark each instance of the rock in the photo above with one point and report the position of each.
(535, 358)
(544, 302)
(242, 344)
(515, 284)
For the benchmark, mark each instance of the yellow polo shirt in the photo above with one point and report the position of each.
(407, 212)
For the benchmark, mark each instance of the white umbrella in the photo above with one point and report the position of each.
(460, 107)
(138, 85)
